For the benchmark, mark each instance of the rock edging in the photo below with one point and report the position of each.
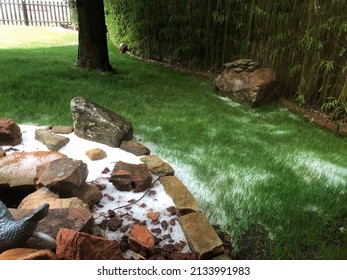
(315, 118)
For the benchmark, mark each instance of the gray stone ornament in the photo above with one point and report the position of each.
(14, 234)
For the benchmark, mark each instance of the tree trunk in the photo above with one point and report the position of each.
(92, 42)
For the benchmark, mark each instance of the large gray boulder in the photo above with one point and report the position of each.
(244, 82)
(96, 123)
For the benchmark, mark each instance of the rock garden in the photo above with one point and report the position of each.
(91, 191)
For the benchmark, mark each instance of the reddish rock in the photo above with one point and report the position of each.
(10, 133)
(141, 240)
(114, 223)
(172, 222)
(96, 154)
(153, 215)
(250, 87)
(127, 177)
(74, 245)
(27, 254)
(62, 176)
(173, 256)
(168, 248)
(172, 210)
(19, 169)
(111, 213)
(156, 230)
(164, 224)
(105, 171)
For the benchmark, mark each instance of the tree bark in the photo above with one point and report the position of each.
(92, 42)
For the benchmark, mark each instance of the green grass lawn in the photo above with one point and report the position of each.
(275, 183)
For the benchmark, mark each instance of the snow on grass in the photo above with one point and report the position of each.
(318, 168)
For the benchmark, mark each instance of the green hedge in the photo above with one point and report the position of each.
(305, 41)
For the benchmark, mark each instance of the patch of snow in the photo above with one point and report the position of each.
(138, 204)
(318, 168)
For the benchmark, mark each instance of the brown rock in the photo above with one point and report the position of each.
(157, 166)
(19, 169)
(62, 176)
(201, 236)
(134, 147)
(88, 193)
(141, 240)
(127, 177)
(51, 140)
(181, 196)
(2, 152)
(342, 130)
(73, 218)
(61, 129)
(96, 154)
(27, 254)
(252, 88)
(96, 123)
(74, 245)
(10, 133)
(114, 223)
(43, 195)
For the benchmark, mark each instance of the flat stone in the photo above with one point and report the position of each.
(201, 236)
(96, 123)
(153, 215)
(19, 169)
(51, 140)
(141, 240)
(43, 195)
(10, 133)
(181, 196)
(27, 254)
(96, 154)
(134, 147)
(127, 177)
(62, 176)
(77, 219)
(62, 129)
(157, 166)
(74, 245)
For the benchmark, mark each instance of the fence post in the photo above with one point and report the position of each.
(25, 13)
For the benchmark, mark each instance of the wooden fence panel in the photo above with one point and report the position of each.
(34, 12)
